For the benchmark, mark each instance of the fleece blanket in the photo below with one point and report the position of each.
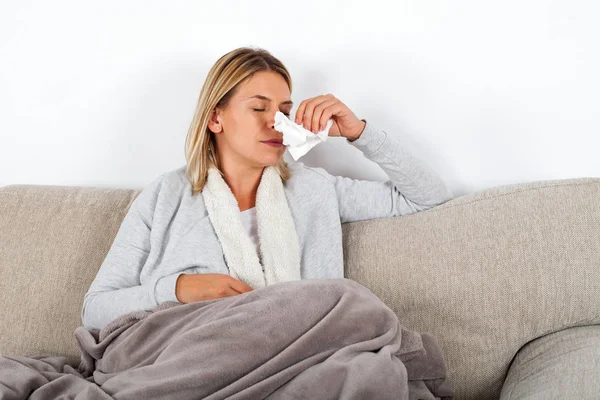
(307, 339)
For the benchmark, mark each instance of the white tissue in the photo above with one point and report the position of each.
(299, 139)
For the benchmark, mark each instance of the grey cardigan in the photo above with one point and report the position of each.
(167, 232)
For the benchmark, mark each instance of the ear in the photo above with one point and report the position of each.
(215, 121)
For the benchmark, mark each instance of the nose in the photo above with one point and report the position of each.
(272, 122)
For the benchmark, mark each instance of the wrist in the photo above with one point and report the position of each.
(363, 124)
(178, 284)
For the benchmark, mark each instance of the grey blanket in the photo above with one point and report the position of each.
(308, 339)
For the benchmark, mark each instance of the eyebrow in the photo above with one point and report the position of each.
(260, 96)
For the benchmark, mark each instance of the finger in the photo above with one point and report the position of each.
(239, 286)
(310, 107)
(230, 292)
(328, 113)
(300, 111)
(318, 114)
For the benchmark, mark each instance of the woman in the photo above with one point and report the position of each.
(157, 256)
(237, 218)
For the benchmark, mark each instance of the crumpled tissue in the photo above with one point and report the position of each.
(299, 139)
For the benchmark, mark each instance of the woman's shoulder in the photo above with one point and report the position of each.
(165, 182)
(171, 178)
(176, 176)
(305, 172)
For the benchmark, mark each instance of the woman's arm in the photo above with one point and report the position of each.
(413, 186)
(116, 289)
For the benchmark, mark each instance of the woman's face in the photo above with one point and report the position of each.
(248, 121)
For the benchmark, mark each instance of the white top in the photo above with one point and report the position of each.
(249, 222)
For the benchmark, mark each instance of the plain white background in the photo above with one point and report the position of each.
(487, 93)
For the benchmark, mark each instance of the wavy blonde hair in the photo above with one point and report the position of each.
(219, 86)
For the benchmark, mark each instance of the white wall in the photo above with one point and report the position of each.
(487, 93)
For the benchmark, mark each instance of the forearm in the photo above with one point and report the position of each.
(101, 305)
(410, 175)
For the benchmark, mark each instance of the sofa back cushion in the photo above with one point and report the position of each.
(487, 272)
(53, 240)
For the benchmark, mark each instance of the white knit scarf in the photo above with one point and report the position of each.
(277, 237)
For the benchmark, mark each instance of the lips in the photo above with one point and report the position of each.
(279, 141)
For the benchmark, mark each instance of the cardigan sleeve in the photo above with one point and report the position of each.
(116, 289)
(412, 185)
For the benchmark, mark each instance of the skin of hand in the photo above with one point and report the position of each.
(191, 288)
(313, 114)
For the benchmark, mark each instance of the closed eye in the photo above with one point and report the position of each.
(259, 109)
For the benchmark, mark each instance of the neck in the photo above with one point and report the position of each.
(243, 183)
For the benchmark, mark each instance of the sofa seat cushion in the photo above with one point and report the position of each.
(561, 365)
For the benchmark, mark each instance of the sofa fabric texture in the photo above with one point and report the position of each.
(485, 273)
(560, 365)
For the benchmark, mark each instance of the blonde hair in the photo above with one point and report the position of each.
(219, 86)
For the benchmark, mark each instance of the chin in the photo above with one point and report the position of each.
(272, 161)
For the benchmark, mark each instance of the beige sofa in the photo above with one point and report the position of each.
(507, 279)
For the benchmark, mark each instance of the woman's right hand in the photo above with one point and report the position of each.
(191, 288)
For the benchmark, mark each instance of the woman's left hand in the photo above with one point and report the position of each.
(313, 114)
